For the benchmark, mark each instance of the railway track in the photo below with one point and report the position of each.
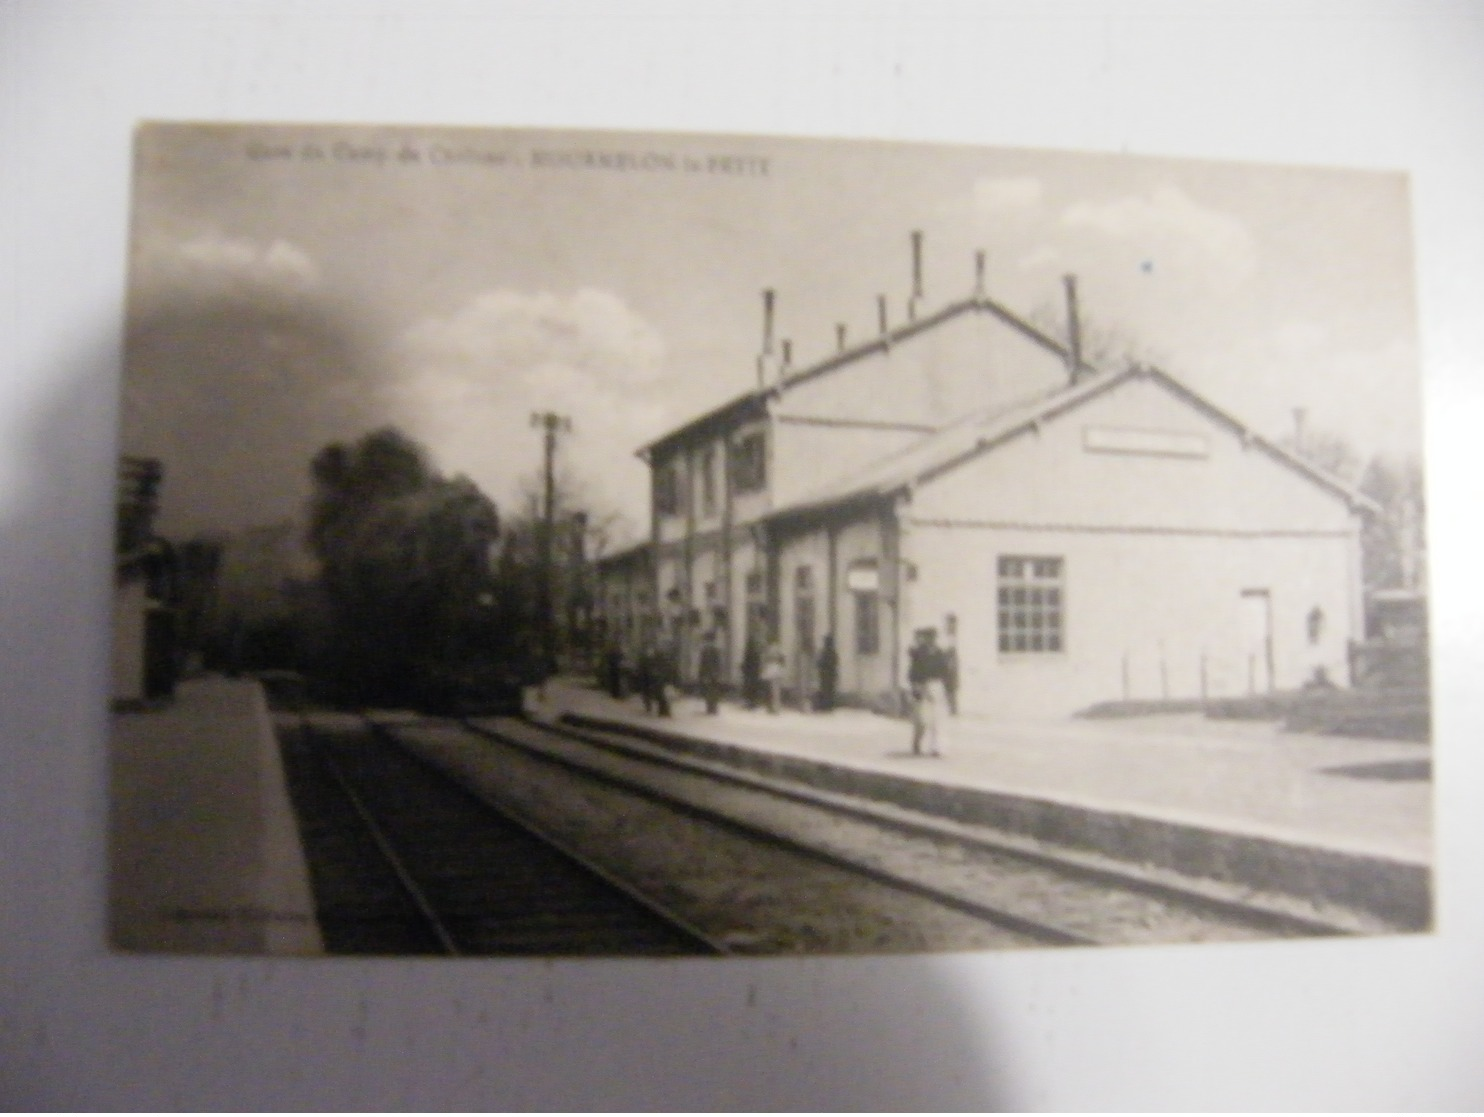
(405, 860)
(1219, 906)
(678, 826)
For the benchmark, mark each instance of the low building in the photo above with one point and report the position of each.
(1081, 536)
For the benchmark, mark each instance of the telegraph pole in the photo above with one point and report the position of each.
(552, 426)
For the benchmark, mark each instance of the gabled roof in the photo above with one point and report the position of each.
(984, 431)
(754, 403)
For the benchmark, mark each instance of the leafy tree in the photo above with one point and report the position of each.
(1393, 541)
(405, 569)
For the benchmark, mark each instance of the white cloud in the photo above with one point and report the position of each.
(214, 263)
(512, 332)
(1168, 230)
(474, 378)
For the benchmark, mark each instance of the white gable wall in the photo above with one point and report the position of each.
(961, 364)
(1156, 554)
(1146, 616)
(1049, 478)
(957, 366)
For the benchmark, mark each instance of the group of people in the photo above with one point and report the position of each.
(652, 676)
(932, 680)
(765, 671)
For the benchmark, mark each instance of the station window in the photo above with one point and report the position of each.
(668, 490)
(1031, 597)
(708, 481)
(749, 470)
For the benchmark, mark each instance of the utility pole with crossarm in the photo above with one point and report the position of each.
(552, 426)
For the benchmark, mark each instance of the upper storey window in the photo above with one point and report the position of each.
(749, 470)
(708, 482)
(669, 490)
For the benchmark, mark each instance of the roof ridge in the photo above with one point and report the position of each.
(976, 302)
(1036, 410)
(913, 326)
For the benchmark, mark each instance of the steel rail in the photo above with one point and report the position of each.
(639, 747)
(1040, 930)
(678, 923)
(390, 855)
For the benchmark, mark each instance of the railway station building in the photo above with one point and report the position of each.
(1080, 535)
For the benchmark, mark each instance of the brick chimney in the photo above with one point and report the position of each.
(979, 273)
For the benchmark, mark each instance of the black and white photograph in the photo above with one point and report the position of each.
(557, 543)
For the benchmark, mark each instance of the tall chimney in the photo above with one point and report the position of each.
(881, 312)
(788, 354)
(1074, 329)
(979, 272)
(767, 349)
(840, 335)
(916, 274)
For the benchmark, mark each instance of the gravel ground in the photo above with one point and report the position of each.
(1085, 908)
(756, 898)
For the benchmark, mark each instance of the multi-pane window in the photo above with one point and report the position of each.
(669, 490)
(749, 470)
(1031, 596)
(708, 481)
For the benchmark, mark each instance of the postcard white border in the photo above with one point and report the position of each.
(1293, 1025)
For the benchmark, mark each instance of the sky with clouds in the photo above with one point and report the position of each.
(291, 286)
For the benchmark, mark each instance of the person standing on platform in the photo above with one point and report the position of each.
(829, 673)
(644, 676)
(926, 672)
(950, 662)
(661, 677)
(752, 671)
(613, 668)
(775, 668)
(709, 672)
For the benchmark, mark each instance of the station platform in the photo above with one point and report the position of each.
(1334, 820)
(204, 851)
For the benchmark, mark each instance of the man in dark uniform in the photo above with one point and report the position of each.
(829, 673)
(927, 673)
(661, 676)
(644, 676)
(752, 671)
(709, 672)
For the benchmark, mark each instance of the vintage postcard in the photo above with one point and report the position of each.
(557, 543)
